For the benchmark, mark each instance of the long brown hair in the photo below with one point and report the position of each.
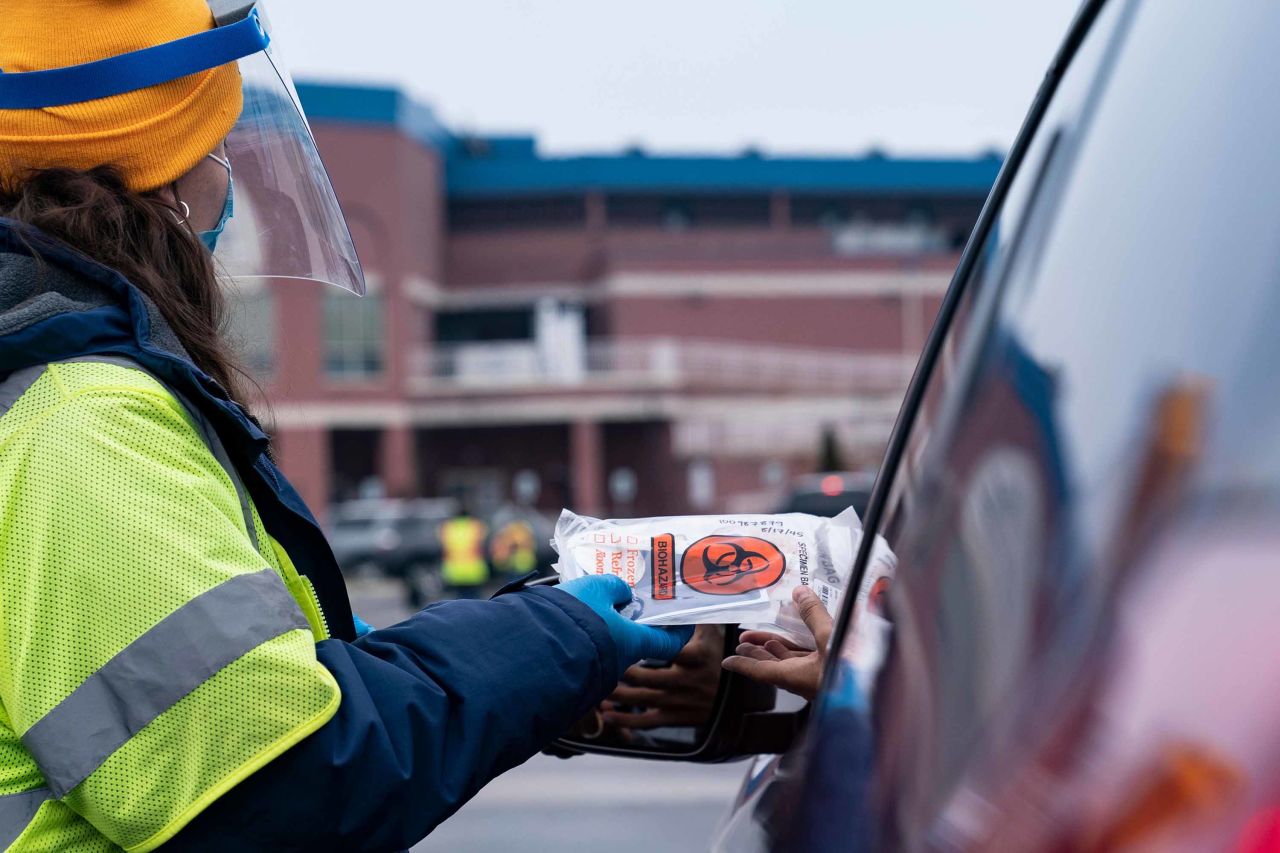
(141, 236)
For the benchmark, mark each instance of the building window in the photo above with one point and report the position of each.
(677, 217)
(540, 212)
(681, 213)
(353, 334)
(497, 324)
(252, 324)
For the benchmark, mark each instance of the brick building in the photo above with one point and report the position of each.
(631, 333)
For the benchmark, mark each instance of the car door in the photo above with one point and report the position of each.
(1083, 491)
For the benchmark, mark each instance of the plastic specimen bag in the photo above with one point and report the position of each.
(715, 569)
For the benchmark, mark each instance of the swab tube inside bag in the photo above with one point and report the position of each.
(697, 569)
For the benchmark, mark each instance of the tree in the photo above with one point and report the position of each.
(829, 458)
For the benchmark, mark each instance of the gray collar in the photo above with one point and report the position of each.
(32, 290)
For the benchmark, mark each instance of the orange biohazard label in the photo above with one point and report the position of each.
(664, 567)
(731, 565)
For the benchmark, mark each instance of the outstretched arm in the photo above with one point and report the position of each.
(432, 709)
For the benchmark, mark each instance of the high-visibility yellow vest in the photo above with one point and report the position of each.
(156, 645)
(514, 547)
(463, 563)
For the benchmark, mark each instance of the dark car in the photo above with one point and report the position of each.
(393, 538)
(1082, 492)
(829, 494)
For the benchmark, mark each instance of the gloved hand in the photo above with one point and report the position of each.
(635, 642)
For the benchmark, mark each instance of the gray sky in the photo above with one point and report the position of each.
(913, 76)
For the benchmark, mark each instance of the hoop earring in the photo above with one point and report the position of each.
(185, 219)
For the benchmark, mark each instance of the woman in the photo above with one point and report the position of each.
(178, 660)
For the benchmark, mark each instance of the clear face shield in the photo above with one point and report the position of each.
(286, 221)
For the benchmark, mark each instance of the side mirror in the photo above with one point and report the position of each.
(736, 717)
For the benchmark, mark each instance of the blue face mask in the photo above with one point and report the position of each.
(210, 237)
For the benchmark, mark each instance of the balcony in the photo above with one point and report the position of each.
(653, 365)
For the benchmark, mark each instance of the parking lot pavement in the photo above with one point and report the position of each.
(591, 803)
(588, 803)
(379, 601)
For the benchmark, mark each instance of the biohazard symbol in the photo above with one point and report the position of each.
(731, 565)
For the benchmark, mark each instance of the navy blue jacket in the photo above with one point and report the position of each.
(431, 710)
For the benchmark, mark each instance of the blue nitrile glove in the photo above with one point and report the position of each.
(635, 642)
(362, 627)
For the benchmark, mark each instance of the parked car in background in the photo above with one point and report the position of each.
(829, 494)
(393, 538)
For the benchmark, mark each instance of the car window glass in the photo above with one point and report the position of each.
(406, 526)
(1006, 483)
(1107, 387)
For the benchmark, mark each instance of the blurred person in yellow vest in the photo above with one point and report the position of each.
(514, 548)
(463, 565)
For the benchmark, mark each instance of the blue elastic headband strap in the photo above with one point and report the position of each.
(129, 72)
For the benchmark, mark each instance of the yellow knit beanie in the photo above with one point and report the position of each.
(154, 135)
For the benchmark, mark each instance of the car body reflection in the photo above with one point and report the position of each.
(1087, 493)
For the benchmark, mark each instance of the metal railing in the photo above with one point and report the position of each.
(657, 364)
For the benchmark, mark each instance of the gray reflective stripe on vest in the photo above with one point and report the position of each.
(16, 384)
(150, 675)
(16, 812)
(206, 430)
